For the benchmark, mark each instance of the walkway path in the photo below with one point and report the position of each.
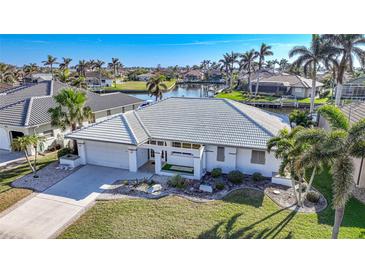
(48, 213)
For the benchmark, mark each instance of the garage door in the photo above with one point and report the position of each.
(4, 139)
(106, 154)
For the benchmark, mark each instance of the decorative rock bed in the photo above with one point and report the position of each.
(206, 190)
(47, 177)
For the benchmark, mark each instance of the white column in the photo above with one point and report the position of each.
(197, 167)
(82, 152)
(157, 162)
(133, 167)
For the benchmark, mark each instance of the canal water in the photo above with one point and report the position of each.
(183, 90)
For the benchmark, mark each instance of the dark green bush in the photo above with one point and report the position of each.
(219, 186)
(313, 197)
(257, 177)
(177, 181)
(216, 172)
(235, 177)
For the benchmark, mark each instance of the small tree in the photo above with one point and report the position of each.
(300, 118)
(156, 86)
(27, 142)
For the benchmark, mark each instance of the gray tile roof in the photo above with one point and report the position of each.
(195, 120)
(290, 80)
(36, 99)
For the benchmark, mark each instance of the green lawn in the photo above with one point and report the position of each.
(244, 214)
(137, 85)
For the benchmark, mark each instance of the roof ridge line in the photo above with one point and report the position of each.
(141, 123)
(27, 117)
(248, 117)
(130, 128)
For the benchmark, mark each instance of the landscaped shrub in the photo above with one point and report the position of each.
(219, 186)
(235, 177)
(216, 172)
(313, 197)
(177, 181)
(257, 177)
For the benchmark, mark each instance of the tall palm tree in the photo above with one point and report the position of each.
(81, 67)
(98, 65)
(247, 63)
(114, 64)
(65, 63)
(342, 142)
(310, 59)
(227, 65)
(283, 65)
(349, 48)
(289, 151)
(264, 51)
(50, 62)
(26, 142)
(156, 86)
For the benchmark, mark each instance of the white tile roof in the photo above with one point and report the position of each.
(205, 121)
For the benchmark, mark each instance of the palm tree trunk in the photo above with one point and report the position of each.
(29, 163)
(295, 191)
(338, 94)
(338, 220)
(311, 179)
(35, 160)
(313, 94)
(257, 83)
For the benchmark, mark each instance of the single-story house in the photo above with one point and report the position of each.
(354, 89)
(286, 84)
(38, 77)
(145, 77)
(193, 75)
(192, 135)
(93, 79)
(216, 76)
(24, 111)
(355, 112)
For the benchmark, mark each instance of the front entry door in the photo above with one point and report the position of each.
(151, 155)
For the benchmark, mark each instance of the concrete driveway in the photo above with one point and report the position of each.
(48, 213)
(6, 157)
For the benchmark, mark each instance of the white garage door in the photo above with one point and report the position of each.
(4, 139)
(106, 154)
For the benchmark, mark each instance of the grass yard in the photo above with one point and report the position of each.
(243, 214)
(137, 85)
(9, 195)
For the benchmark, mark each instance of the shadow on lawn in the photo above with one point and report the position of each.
(225, 230)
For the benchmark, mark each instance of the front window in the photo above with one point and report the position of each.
(108, 112)
(220, 154)
(176, 144)
(258, 157)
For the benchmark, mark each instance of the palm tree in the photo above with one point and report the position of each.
(114, 65)
(79, 82)
(6, 73)
(227, 65)
(98, 65)
(81, 67)
(30, 69)
(50, 62)
(337, 146)
(155, 86)
(289, 151)
(64, 75)
(310, 59)
(349, 48)
(283, 65)
(65, 63)
(264, 51)
(247, 63)
(205, 66)
(26, 142)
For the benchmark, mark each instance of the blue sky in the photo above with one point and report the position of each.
(140, 50)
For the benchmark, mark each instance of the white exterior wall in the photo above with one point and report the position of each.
(229, 163)
(299, 92)
(4, 139)
(182, 160)
(244, 163)
(142, 156)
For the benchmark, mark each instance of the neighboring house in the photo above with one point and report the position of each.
(145, 77)
(193, 75)
(24, 111)
(354, 89)
(188, 133)
(38, 77)
(286, 84)
(216, 76)
(355, 112)
(94, 79)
